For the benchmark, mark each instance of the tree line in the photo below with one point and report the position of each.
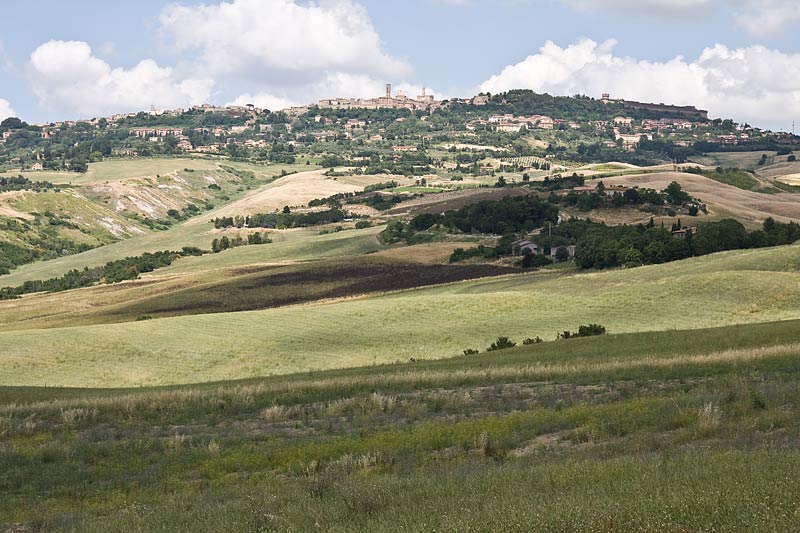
(284, 219)
(112, 272)
(601, 246)
(21, 183)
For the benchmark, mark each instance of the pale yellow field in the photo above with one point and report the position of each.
(295, 190)
(791, 179)
(752, 208)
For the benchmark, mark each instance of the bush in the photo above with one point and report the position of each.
(363, 224)
(536, 261)
(592, 330)
(535, 340)
(792, 158)
(470, 351)
(502, 343)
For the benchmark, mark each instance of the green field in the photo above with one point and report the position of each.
(743, 160)
(723, 289)
(737, 178)
(670, 431)
(122, 169)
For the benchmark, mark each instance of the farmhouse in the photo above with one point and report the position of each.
(684, 233)
(525, 247)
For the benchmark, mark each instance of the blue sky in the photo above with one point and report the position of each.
(80, 59)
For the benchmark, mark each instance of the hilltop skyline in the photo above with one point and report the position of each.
(736, 60)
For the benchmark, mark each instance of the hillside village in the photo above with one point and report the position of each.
(392, 122)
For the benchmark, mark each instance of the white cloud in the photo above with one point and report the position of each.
(654, 7)
(286, 52)
(765, 17)
(264, 100)
(6, 110)
(753, 84)
(67, 76)
(760, 18)
(281, 38)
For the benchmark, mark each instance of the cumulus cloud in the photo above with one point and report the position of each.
(287, 52)
(67, 76)
(753, 84)
(6, 110)
(765, 17)
(281, 37)
(264, 100)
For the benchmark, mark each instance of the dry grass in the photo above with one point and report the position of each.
(724, 289)
(175, 399)
(752, 208)
(295, 190)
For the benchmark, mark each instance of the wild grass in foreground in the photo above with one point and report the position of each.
(676, 431)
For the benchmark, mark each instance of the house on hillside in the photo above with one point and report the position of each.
(525, 247)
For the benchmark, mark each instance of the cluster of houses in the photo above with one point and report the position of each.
(423, 102)
(512, 124)
(626, 130)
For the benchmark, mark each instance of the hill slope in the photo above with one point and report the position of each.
(625, 432)
(724, 289)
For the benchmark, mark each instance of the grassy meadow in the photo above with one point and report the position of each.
(318, 382)
(428, 323)
(123, 169)
(617, 433)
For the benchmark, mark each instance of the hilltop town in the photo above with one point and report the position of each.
(605, 127)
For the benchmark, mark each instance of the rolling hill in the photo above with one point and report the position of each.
(429, 323)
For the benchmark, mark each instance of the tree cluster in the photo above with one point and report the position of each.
(112, 272)
(285, 219)
(498, 217)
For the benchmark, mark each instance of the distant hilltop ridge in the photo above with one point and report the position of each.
(689, 111)
(426, 102)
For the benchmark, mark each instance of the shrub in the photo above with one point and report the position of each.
(363, 224)
(470, 351)
(502, 343)
(535, 261)
(592, 330)
(535, 340)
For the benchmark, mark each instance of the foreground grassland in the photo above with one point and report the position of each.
(671, 431)
(731, 288)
